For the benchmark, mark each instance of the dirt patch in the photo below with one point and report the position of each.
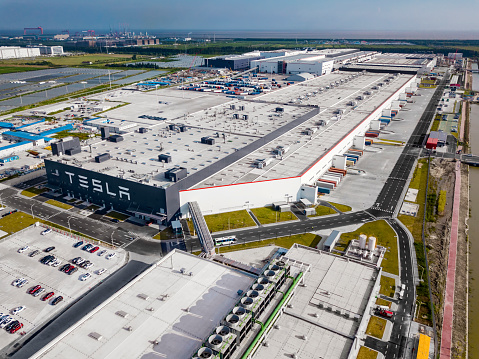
(438, 232)
(459, 332)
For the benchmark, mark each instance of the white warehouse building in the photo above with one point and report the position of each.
(16, 52)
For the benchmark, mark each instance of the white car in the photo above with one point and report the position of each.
(5, 322)
(85, 276)
(101, 271)
(89, 265)
(102, 252)
(56, 263)
(22, 282)
(80, 261)
(23, 249)
(18, 309)
(16, 281)
(46, 231)
(110, 256)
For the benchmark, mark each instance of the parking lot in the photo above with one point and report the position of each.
(14, 265)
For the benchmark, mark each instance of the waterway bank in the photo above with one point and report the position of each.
(473, 233)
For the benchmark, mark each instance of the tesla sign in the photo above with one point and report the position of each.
(99, 186)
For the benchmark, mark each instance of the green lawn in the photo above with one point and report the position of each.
(323, 211)
(76, 60)
(384, 302)
(307, 239)
(388, 286)
(229, 220)
(12, 69)
(385, 236)
(59, 204)
(376, 327)
(33, 191)
(341, 207)
(117, 215)
(62, 134)
(267, 215)
(366, 353)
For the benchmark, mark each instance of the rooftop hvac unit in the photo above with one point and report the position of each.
(235, 116)
(232, 107)
(247, 303)
(374, 88)
(205, 353)
(252, 294)
(262, 163)
(380, 84)
(241, 108)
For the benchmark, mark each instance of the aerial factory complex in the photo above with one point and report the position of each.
(122, 180)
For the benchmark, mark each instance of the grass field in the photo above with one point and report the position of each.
(92, 207)
(167, 233)
(307, 239)
(12, 69)
(385, 236)
(388, 286)
(229, 220)
(376, 327)
(267, 215)
(323, 211)
(76, 60)
(33, 191)
(366, 353)
(341, 207)
(117, 215)
(59, 204)
(381, 301)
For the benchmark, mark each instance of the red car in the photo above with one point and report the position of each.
(69, 269)
(34, 289)
(48, 296)
(16, 328)
(94, 249)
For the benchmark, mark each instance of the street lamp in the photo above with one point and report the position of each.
(69, 228)
(31, 209)
(111, 237)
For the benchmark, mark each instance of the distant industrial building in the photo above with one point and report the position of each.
(16, 52)
(51, 50)
(233, 62)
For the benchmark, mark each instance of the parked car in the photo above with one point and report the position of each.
(48, 296)
(57, 300)
(5, 321)
(16, 327)
(38, 292)
(22, 283)
(18, 309)
(46, 231)
(74, 260)
(101, 271)
(16, 281)
(77, 244)
(34, 289)
(85, 276)
(115, 220)
(69, 269)
(88, 265)
(110, 256)
(11, 325)
(87, 247)
(94, 249)
(65, 267)
(80, 260)
(23, 249)
(56, 262)
(102, 252)
(84, 264)
(34, 253)
(49, 249)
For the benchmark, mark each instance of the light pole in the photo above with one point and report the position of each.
(111, 237)
(69, 228)
(31, 209)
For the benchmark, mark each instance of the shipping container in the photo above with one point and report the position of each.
(339, 170)
(355, 150)
(324, 190)
(324, 181)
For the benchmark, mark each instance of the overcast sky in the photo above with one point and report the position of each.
(276, 15)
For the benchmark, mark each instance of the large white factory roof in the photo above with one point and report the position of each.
(163, 313)
(210, 115)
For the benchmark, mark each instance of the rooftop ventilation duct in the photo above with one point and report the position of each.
(205, 353)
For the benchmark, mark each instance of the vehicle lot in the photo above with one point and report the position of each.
(14, 265)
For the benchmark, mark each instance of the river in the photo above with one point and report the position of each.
(474, 239)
